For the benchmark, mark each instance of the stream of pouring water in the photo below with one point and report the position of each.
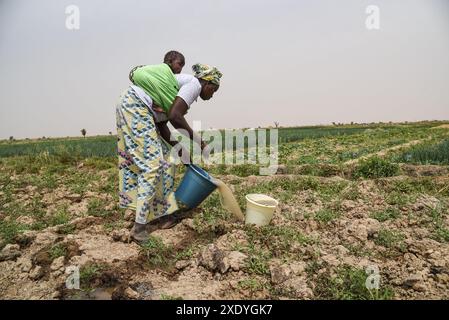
(228, 200)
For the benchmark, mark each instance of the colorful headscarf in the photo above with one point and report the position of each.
(208, 73)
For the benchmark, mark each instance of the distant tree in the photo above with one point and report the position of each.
(352, 122)
(83, 132)
(11, 138)
(43, 138)
(333, 123)
(276, 124)
(110, 133)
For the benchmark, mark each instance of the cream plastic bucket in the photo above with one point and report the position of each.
(259, 209)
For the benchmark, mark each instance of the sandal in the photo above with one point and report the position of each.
(141, 233)
(183, 214)
(168, 221)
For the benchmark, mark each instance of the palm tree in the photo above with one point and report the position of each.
(83, 132)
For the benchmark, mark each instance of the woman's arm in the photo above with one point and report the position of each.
(176, 118)
(165, 132)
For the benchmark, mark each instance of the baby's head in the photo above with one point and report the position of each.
(175, 61)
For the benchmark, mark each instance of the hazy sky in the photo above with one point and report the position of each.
(295, 62)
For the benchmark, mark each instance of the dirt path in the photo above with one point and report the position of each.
(385, 151)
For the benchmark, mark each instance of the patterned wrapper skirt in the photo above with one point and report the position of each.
(146, 175)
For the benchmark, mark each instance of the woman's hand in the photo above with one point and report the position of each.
(205, 150)
(156, 108)
(203, 145)
(183, 154)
